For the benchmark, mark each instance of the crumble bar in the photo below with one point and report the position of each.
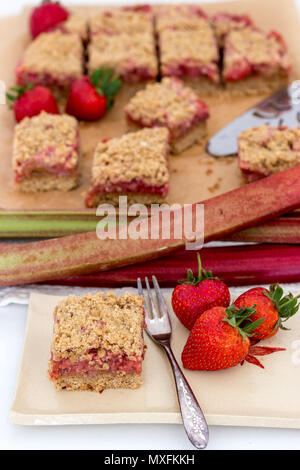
(45, 153)
(129, 20)
(191, 55)
(265, 150)
(97, 342)
(170, 104)
(225, 22)
(134, 165)
(132, 56)
(75, 24)
(53, 59)
(255, 62)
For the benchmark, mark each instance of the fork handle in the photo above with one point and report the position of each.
(193, 419)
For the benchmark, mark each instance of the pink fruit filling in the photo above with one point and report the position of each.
(188, 69)
(108, 363)
(42, 162)
(23, 77)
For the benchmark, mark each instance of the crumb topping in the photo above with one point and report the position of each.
(121, 21)
(269, 149)
(76, 24)
(180, 46)
(123, 52)
(105, 321)
(138, 155)
(50, 137)
(55, 53)
(255, 47)
(168, 103)
(225, 22)
(184, 17)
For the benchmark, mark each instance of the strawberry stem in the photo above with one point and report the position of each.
(107, 83)
(236, 317)
(286, 306)
(202, 274)
(16, 91)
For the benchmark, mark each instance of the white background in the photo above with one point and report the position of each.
(12, 325)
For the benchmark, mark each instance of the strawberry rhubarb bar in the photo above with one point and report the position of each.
(265, 150)
(75, 24)
(132, 56)
(45, 153)
(134, 165)
(255, 62)
(192, 55)
(129, 20)
(223, 23)
(98, 342)
(170, 104)
(53, 59)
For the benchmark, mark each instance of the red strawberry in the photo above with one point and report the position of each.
(217, 340)
(89, 99)
(270, 305)
(45, 17)
(197, 294)
(29, 101)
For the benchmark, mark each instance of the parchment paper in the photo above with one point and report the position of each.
(195, 175)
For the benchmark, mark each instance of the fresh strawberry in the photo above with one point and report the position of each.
(89, 99)
(29, 101)
(45, 17)
(197, 294)
(270, 305)
(217, 340)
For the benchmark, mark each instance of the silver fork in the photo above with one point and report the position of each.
(159, 329)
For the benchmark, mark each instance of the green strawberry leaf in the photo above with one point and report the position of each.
(286, 306)
(202, 274)
(106, 83)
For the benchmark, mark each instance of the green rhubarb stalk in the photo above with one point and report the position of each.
(85, 253)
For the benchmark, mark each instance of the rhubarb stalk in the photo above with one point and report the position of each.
(85, 253)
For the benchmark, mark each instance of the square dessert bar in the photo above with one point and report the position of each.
(134, 165)
(53, 59)
(225, 22)
(170, 104)
(265, 150)
(132, 56)
(75, 24)
(255, 62)
(192, 55)
(97, 342)
(129, 20)
(183, 17)
(45, 153)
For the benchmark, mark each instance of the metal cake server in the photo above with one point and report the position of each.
(280, 109)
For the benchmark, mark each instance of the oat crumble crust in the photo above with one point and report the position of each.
(123, 52)
(76, 24)
(169, 102)
(269, 149)
(137, 155)
(223, 23)
(184, 17)
(54, 53)
(121, 21)
(254, 46)
(36, 135)
(181, 46)
(105, 321)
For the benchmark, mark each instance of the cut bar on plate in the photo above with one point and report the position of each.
(129, 20)
(191, 55)
(98, 342)
(132, 56)
(45, 153)
(255, 62)
(265, 150)
(224, 22)
(170, 104)
(52, 59)
(182, 17)
(75, 24)
(134, 165)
